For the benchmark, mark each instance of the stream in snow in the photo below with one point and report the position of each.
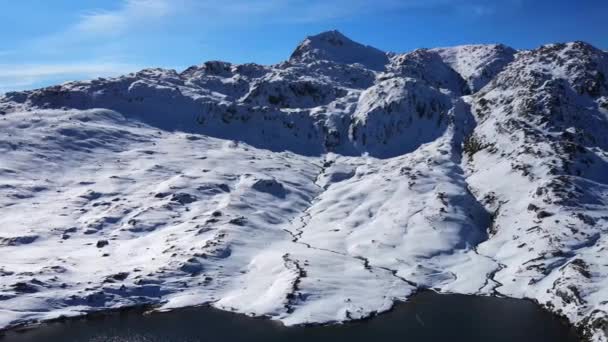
(426, 317)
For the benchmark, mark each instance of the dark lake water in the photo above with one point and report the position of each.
(427, 317)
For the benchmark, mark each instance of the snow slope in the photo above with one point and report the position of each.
(320, 189)
(477, 64)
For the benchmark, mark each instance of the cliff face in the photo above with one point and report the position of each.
(320, 189)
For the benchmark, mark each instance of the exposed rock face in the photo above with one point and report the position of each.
(320, 189)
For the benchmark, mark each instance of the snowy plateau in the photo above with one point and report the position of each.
(318, 190)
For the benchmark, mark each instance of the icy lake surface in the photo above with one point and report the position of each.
(427, 317)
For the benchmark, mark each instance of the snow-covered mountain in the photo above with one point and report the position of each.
(320, 189)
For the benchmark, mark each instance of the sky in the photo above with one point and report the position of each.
(49, 42)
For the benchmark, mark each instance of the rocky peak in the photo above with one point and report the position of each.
(335, 47)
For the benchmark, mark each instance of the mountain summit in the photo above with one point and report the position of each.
(318, 190)
(334, 46)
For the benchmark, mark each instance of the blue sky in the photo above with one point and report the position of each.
(46, 42)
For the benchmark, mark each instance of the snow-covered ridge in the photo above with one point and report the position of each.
(320, 189)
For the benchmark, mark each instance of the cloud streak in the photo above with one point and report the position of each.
(131, 13)
(142, 16)
(138, 14)
(102, 34)
(22, 76)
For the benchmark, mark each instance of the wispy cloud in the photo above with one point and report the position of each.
(131, 17)
(23, 76)
(131, 13)
(101, 26)
(94, 32)
(104, 34)
(138, 14)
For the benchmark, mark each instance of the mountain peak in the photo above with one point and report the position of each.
(331, 36)
(336, 47)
